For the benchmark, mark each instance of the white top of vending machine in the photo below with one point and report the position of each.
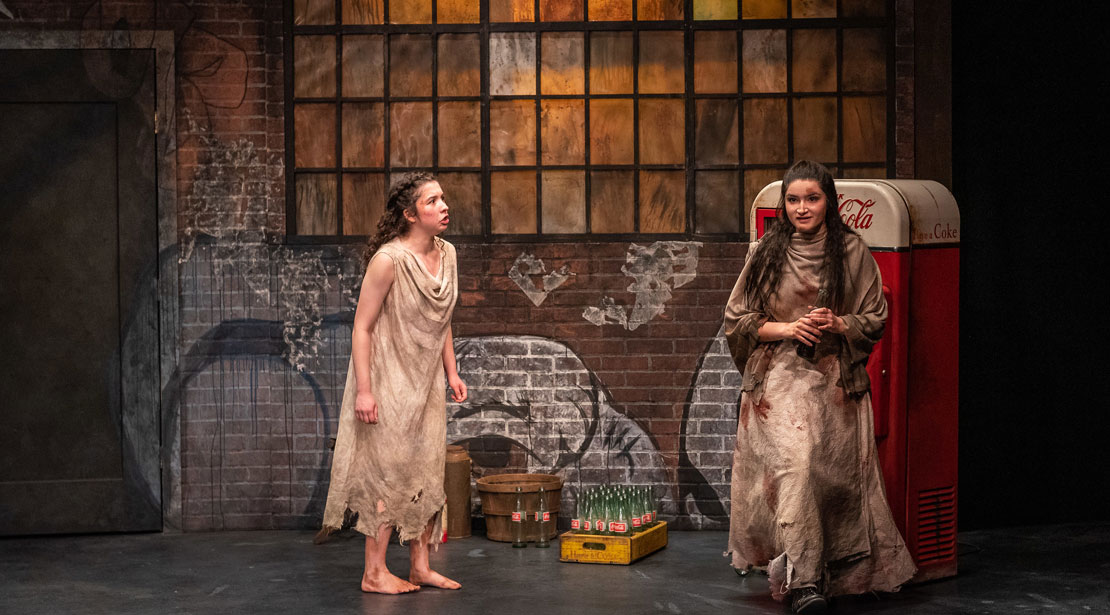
(889, 214)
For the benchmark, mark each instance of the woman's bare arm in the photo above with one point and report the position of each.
(375, 286)
(450, 367)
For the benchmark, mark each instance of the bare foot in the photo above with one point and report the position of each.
(433, 578)
(386, 583)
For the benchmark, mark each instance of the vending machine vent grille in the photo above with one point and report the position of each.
(936, 524)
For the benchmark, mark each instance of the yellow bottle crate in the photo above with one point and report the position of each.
(592, 549)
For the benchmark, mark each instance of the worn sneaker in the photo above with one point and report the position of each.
(806, 601)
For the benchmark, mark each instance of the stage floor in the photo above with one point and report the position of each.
(1054, 569)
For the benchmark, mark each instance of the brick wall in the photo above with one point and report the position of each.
(600, 361)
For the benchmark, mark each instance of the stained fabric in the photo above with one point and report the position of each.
(392, 472)
(807, 492)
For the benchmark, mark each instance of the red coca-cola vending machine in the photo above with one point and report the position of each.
(913, 230)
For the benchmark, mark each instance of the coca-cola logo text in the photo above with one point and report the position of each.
(856, 213)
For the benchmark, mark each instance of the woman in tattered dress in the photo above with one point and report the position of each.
(388, 467)
(807, 493)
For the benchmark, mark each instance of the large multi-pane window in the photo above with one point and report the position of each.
(578, 117)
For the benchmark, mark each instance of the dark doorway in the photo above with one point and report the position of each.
(79, 392)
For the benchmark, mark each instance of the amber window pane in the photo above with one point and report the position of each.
(763, 9)
(864, 60)
(717, 194)
(764, 60)
(316, 214)
(363, 135)
(363, 12)
(864, 129)
(410, 134)
(457, 11)
(611, 136)
(611, 63)
(716, 132)
(410, 65)
(715, 61)
(661, 62)
(765, 131)
(458, 66)
(314, 135)
(815, 129)
(864, 173)
(363, 202)
(610, 10)
(814, 61)
(313, 66)
(659, 10)
(862, 8)
(807, 9)
(512, 63)
(561, 131)
(715, 9)
(754, 181)
(313, 12)
(564, 201)
(561, 10)
(612, 194)
(460, 134)
(562, 69)
(662, 201)
(512, 132)
(662, 131)
(513, 202)
(363, 62)
(463, 193)
(410, 11)
(512, 10)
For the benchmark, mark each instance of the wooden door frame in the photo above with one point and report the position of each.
(169, 328)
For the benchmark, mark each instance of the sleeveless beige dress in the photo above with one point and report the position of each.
(392, 472)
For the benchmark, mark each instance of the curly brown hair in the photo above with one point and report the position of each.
(402, 198)
(768, 261)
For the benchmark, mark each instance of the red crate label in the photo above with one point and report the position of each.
(617, 526)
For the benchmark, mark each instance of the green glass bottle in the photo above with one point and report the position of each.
(620, 523)
(543, 522)
(636, 510)
(603, 516)
(517, 521)
(576, 524)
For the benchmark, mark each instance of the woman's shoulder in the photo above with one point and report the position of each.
(752, 247)
(856, 251)
(389, 251)
(854, 244)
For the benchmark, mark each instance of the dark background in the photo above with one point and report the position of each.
(1035, 203)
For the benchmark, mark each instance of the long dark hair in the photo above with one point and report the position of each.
(767, 264)
(392, 224)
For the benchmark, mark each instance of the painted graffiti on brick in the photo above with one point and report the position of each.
(655, 271)
(708, 437)
(527, 268)
(535, 407)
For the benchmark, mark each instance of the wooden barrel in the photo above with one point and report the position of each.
(456, 484)
(498, 493)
